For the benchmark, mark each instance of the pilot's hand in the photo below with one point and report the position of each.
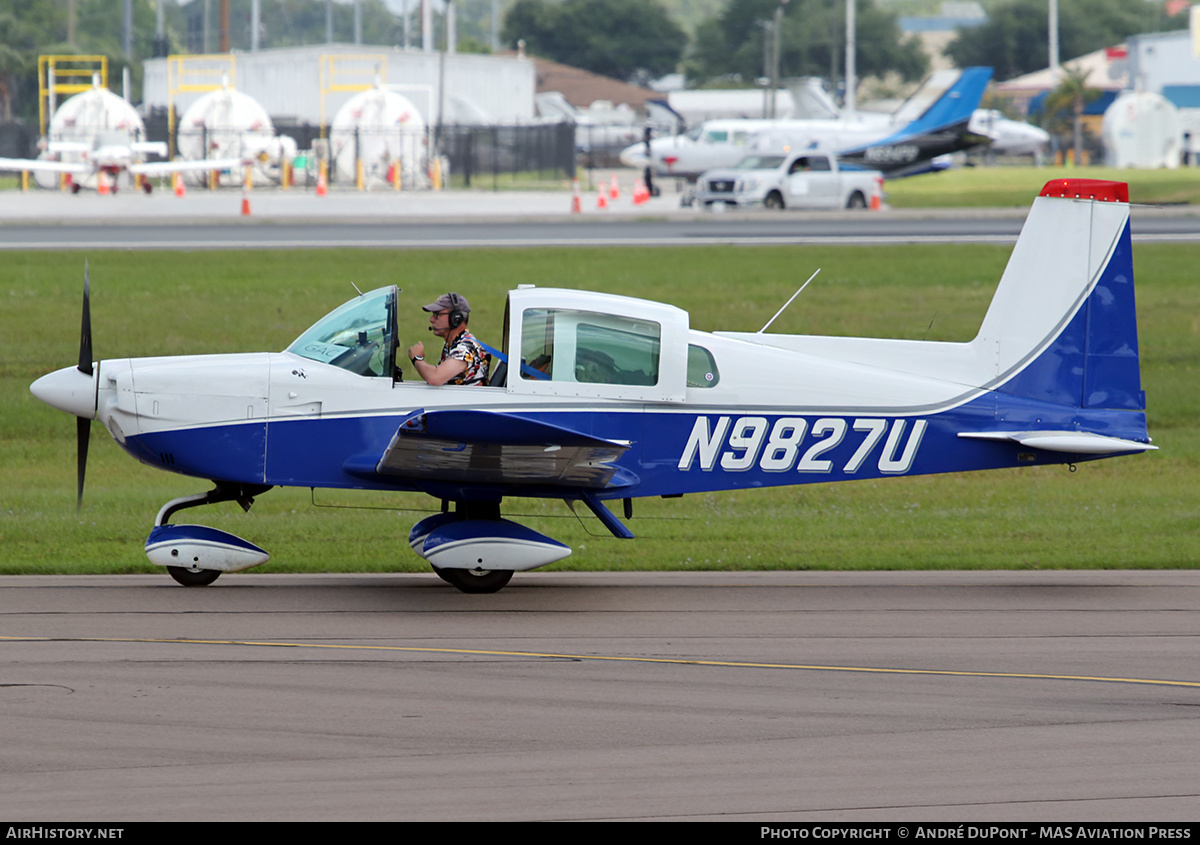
(416, 350)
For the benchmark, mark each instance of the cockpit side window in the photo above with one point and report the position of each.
(359, 337)
(589, 348)
(624, 354)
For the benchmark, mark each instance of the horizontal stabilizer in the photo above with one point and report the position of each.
(1076, 442)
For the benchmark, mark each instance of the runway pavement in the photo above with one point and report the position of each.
(457, 219)
(764, 697)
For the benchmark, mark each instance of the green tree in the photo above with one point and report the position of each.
(812, 41)
(624, 39)
(1014, 41)
(1072, 94)
(24, 28)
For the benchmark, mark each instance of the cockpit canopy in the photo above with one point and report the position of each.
(360, 336)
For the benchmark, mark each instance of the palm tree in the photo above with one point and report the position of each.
(1072, 92)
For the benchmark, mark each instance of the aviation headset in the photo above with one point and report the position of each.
(456, 316)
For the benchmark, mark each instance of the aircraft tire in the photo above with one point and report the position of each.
(475, 582)
(193, 577)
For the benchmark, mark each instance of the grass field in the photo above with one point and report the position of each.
(1131, 512)
(1013, 186)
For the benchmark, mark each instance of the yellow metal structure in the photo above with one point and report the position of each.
(349, 73)
(71, 74)
(196, 74)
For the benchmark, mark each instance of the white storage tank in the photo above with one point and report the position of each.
(229, 124)
(91, 118)
(1142, 130)
(379, 128)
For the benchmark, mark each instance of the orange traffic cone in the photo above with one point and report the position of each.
(245, 202)
(877, 196)
(101, 183)
(640, 192)
(180, 191)
(614, 190)
(321, 187)
(601, 200)
(576, 204)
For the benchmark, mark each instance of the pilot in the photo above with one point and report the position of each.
(463, 360)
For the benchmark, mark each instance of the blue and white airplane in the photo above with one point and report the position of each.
(603, 398)
(935, 122)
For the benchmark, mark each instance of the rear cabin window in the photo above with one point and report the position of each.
(702, 368)
(589, 348)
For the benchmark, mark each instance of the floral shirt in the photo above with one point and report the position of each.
(466, 348)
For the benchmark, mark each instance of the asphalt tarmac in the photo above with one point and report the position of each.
(297, 219)
(758, 697)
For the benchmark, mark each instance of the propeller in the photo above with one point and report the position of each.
(82, 424)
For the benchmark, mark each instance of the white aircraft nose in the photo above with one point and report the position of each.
(68, 390)
(634, 155)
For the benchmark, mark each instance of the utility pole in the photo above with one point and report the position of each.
(128, 25)
(776, 29)
(851, 99)
(1054, 71)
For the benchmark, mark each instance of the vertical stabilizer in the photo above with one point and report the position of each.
(1063, 327)
(943, 128)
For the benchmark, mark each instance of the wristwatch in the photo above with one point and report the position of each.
(417, 358)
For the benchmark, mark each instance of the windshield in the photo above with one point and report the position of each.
(359, 337)
(759, 163)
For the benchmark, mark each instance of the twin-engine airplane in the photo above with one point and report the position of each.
(605, 397)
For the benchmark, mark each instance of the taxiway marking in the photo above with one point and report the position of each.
(678, 661)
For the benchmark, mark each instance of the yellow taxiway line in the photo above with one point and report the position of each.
(678, 661)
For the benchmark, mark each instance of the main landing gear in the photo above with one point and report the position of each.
(475, 580)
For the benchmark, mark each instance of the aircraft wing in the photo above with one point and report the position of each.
(495, 448)
(1078, 442)
(162, 168)
(37, 165)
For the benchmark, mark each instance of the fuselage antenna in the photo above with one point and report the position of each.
(360, 293)
(789, 302)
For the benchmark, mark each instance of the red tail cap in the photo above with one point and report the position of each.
(1087, 189)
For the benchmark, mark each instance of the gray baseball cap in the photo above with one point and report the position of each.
(449, 302)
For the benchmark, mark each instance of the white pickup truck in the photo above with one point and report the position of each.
(789, 180)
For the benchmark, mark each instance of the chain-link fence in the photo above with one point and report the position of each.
(497, 156)
(462, 156)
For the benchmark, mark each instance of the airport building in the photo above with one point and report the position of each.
(309, 84)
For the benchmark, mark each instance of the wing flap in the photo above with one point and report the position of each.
(493, 448)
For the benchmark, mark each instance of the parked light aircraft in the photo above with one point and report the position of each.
(94, 138)
(1006, 137)
(606, 397)
(110, 154)
(1009, 137)
(934, 122)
